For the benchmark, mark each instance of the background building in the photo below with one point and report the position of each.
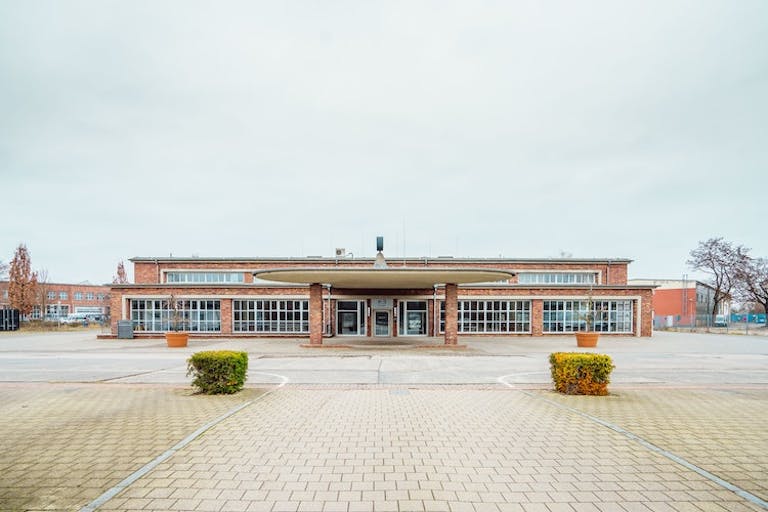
(57, 300)
(226, 297)
(684, 303)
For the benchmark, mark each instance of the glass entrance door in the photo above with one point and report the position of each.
(382, 326)
(347, 322)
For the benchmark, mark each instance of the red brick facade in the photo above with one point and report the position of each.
(72, 298)
(611, 284)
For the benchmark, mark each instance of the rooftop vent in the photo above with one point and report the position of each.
(380, 262)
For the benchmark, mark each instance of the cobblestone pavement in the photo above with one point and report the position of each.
(464, 448)
(62, 445)
(720, 430)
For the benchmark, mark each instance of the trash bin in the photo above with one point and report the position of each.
(124, 329)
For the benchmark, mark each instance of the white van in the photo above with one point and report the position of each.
(75, 318)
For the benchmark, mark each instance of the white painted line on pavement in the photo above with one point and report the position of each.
(114, 491)
(656, 449)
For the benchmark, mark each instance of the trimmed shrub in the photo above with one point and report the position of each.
(218, 372)
(577, 373)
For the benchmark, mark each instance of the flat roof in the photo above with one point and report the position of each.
(671, 284)
(383, 278)
(390, 260)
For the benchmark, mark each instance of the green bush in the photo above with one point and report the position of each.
(218, 371)
(576, 373)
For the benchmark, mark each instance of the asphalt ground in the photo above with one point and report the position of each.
(664, 359)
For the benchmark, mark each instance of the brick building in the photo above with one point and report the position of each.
(323, 297)
(684, 303)
(58, 300)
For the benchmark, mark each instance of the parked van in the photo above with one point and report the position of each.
(721, 321)
(75, 318)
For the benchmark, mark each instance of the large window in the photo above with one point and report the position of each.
(196, 315)
(491, 316)
(573, 315)
(78, 295)
(350, 317)
(204, 277)
(413, 318)
(278, 316)
(557, 278)
(55, 311)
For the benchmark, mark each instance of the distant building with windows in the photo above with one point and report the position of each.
(57, 300)
(684, 303)
(319, 297)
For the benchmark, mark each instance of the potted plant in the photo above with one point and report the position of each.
(176, 337)
(587, 337)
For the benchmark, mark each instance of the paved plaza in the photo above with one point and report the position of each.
(371, 428)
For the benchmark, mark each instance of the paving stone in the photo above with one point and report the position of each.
(91, 436)
(357, 449)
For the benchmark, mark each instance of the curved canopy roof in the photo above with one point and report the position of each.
(387, 278)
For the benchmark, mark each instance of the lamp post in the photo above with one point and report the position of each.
(692, 313)
(746, 320)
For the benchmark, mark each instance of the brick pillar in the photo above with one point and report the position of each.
(537, 317)
(451, 314)
(432, 330)
(395, 318)
(226, 316)
(115, 309)
(316, 314)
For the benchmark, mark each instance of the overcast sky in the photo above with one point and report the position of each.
(288, 128)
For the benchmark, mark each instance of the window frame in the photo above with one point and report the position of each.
(251, 313)
(513, 309)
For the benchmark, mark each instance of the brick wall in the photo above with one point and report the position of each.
(71, 290)
(148, 272)
(613, 274)
(670, 301)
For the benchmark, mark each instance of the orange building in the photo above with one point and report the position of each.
(683, 303)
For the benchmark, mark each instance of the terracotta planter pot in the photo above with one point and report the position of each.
(176, 339)
(586, 339)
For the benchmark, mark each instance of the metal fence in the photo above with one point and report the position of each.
(711, 323)
(9, 319)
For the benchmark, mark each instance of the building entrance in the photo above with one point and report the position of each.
(382, 323)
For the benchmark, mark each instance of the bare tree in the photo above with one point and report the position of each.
(753, 281)
(121, 277)
(722, 261)
(22, 282)
(42, 291)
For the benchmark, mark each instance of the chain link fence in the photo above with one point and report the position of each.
(736, 323)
